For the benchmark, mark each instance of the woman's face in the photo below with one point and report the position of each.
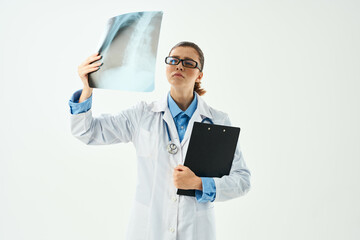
(180, 77)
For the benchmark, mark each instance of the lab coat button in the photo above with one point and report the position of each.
(174, 198)
(172, 230)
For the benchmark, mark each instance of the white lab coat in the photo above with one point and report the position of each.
(158, 212)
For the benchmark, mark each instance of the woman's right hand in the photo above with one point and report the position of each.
(87, 67)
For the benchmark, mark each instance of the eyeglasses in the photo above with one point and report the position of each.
(185, 62)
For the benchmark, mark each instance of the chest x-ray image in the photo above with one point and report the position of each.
(128, 50)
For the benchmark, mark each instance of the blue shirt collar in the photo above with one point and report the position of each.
(175, 110)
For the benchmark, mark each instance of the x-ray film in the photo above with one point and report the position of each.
(128, 49)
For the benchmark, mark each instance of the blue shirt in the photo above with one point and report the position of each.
(181, 120)
(180, 117)
(76, 107)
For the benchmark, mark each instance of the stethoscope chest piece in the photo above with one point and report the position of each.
(172, 148)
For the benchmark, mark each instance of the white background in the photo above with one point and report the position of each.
(287, 73)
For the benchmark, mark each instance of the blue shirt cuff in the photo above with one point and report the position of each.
(76, 107)
(208, 193)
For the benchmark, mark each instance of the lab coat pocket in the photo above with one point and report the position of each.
(146, 144)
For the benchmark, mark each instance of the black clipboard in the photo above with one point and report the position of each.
(211, 151)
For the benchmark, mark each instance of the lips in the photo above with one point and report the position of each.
(178, 75)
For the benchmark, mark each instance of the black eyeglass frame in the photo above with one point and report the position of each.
(182, 62)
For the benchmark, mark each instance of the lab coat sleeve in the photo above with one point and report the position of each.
(237, 183)
(106, 129)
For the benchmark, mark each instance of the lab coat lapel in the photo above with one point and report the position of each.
(162, 106)
(170, 122)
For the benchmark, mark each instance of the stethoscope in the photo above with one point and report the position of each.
(171, 147)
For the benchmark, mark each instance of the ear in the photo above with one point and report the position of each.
(198, 79)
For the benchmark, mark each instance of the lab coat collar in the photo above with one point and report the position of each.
(202, 107)
(202, 111)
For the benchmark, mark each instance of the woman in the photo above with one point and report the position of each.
(158, 212)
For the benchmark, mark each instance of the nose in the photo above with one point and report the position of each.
(180, 67)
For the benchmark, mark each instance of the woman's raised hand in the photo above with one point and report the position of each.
(88, 66)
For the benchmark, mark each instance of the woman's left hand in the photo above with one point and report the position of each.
(184, 178)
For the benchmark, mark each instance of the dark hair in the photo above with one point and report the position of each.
(197, 87)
